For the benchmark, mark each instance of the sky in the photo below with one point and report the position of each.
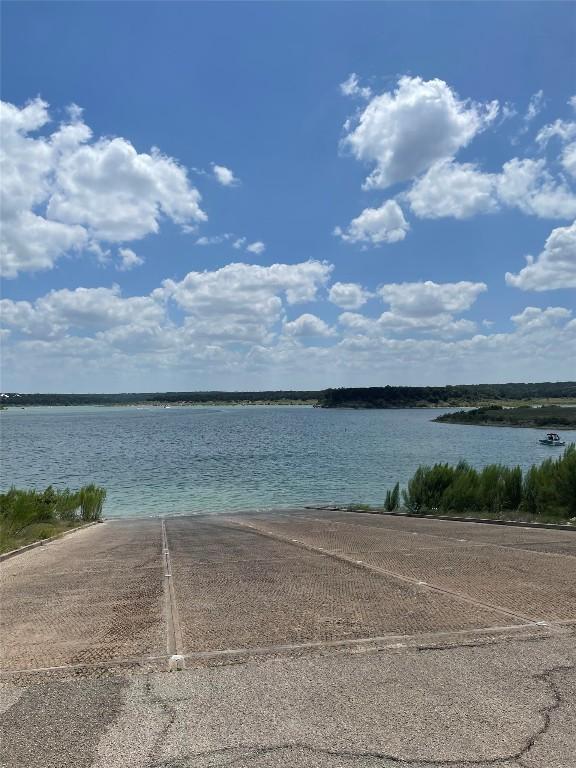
(266, 195)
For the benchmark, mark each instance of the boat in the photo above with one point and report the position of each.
(552, 439)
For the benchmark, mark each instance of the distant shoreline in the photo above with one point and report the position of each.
(545, 417)
(386, 397)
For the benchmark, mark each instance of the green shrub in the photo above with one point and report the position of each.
(392, 501)
(546, 490)
(21, 512)
(91, 502)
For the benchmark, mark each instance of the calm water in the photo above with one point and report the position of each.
(171, 461)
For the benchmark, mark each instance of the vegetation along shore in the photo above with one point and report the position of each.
(462, 395)
(27, 516)
(545, 417)
(543, 493)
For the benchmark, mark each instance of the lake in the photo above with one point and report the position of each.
(202, 459)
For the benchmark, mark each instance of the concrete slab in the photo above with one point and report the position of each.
(529, 583)
(272, 593)
(94, 596)
(447, 529)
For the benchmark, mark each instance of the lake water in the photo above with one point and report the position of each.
(177, 460)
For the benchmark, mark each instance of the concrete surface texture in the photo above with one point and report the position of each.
(309, 639)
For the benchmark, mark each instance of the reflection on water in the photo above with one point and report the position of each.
(176, 460)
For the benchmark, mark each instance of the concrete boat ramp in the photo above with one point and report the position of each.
(298, 638)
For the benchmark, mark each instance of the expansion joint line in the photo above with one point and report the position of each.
(400, 577)
(174, 643)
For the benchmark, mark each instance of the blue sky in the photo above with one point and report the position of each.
(413, 154)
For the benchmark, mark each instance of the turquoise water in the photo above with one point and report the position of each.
(172, 461)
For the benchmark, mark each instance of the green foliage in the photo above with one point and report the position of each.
(392, 501)
(91, 502)
(39, 514)
(546, 490)
(546, 417)
(461, 394)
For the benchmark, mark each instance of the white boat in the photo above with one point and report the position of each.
(552, 439)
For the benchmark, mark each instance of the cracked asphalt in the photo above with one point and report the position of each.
(310, 641)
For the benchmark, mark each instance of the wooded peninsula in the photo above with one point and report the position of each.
(543, 417)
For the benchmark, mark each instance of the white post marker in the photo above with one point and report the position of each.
(176, 662)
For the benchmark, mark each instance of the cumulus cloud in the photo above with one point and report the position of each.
(415, 308)
(535, 319)
(376, 225)
(257, 247)
(307, 325)
(459, 190)
(528, 186)
(88, 309)
(426, 299)
(403, 132)
(240, 303)
(64, 190)
(351, 87)
(414, 132)
(390, 323)
(129, 259)
(233, 323)
(224, 176)
(554, 267)
(348, 295)
(243, 301)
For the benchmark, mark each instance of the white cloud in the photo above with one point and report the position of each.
(89, 309)
(348, 295)
(376, 225)
(224, 176)
(213, 239)
(427, 299)
(308, 325)
(528, 186)
(391, 323)
(234, 328)
(118, 194)
(568, 158)
(63, 191)
(535, 106)
(535, 319)
(453, 189)
(565, 131)
(561, 129)
(257, 247)
(406, 131)
(572, 102)
(243, 302)
(415, 308)
(461, 190)
(554, 268)
(129, 259)
(351, 87)
(239, 243)
(238, 285)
